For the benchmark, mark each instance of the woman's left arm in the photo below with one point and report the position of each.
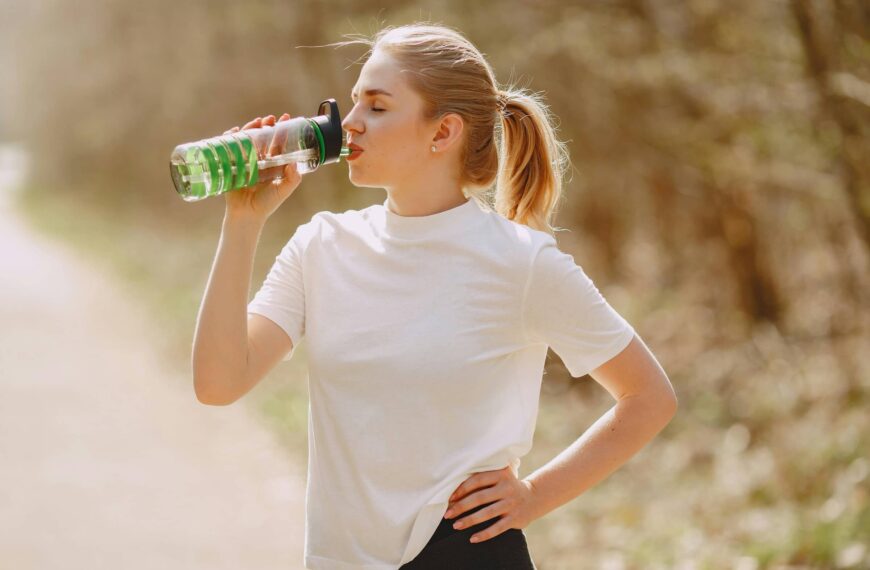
(645, 404)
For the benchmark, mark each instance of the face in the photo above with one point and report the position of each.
(389, 127)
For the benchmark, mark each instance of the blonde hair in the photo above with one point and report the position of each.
(452, 76)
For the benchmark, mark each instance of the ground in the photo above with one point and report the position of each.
(107, 460)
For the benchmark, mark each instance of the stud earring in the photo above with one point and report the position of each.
(433, 148)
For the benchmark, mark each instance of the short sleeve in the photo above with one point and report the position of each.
(563, 308)
(281, 298)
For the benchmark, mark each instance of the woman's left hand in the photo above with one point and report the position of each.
(514, 500)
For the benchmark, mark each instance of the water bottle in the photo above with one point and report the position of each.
(212, 166)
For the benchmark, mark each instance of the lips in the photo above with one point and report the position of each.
(356, 151)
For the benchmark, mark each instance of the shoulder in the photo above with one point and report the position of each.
(537, 256)
(525, 240)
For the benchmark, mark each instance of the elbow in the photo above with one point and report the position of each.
(671, 407)
(658, 394)
(664, 396)
(211, 386)
(207, 395)
(668, 404)
(661, 402)
(666, 399)
(209, 401)
(661, 408)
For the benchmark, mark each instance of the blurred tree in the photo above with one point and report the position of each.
(838, 62)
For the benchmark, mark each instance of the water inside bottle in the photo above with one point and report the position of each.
(304, 155)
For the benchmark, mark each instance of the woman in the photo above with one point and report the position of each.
(428, 320)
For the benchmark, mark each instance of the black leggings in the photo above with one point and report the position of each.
(450, 548)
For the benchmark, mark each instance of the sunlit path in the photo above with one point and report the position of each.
(106, 458)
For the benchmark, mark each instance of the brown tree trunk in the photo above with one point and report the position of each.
(758, 295)
(822, 67)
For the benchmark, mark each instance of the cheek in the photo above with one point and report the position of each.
(403, 155)
(394, 145)
(402, 139)
(407, 152)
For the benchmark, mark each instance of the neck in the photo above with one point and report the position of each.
(425, 196)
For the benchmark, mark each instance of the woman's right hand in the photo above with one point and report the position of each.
(263, 198)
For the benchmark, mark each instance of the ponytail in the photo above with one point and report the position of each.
(533, 162)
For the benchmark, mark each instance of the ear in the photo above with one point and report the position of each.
(449, 131)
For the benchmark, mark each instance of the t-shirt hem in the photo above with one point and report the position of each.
(320, 563)
(606, 354)
(275, 316)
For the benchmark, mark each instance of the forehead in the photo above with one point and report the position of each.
(379, 72)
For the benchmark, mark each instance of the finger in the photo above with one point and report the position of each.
(462, 489)
(473, 503)
(261, 142)
(267, 146)
(280, 139)
(252, 124)
(477, 481)
(290, 171)
(482, 515)
(289, 180)
(491, 531)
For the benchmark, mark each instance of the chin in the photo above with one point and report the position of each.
(360, 180)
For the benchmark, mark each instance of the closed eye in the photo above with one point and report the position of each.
(376, 110)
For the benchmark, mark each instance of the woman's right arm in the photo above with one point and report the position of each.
(221, 341)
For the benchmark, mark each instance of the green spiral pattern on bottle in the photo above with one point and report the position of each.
(211, 166)
(219, 156)
(225, 166)
(253, 169)
(238, 160)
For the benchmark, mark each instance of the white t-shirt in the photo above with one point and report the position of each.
(427, 338)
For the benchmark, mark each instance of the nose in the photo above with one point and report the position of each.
(350, 123)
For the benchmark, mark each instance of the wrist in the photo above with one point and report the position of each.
(537, 506)
(243, 221)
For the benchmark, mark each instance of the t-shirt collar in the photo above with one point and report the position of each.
(453, 220)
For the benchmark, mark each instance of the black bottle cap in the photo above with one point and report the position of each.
(329, 120)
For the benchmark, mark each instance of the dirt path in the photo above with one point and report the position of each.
(106, 458)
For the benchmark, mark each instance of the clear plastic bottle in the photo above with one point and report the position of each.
(212, 166)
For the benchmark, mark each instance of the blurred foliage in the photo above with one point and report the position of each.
(720, 197)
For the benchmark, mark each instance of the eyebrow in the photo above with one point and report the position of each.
(372, 92)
